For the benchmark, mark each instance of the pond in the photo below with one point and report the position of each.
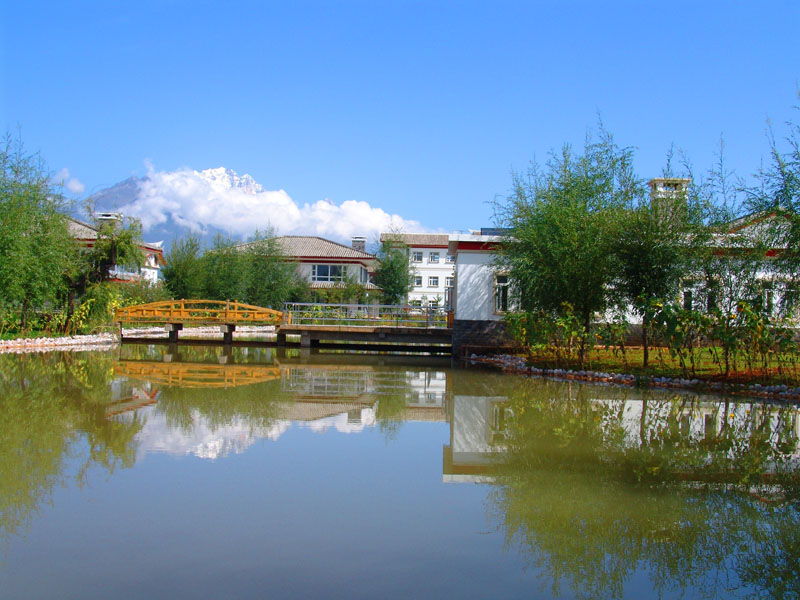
(152, 472)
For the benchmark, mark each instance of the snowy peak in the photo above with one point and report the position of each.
(229, 179)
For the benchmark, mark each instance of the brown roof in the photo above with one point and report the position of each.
(417, 239)
(307, 246)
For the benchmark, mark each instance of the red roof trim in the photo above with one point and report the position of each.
(481, 246)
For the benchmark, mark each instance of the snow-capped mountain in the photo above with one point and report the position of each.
(170, 204)
(229, 179)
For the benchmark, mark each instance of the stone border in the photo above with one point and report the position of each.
(73, 343)
(517, 364)
(103, 341)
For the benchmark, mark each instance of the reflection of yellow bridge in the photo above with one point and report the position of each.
(196, 375)
(198, 312)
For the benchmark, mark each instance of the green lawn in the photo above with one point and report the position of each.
(783, 371)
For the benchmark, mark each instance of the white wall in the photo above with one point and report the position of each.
(425, 269)
(475, 286)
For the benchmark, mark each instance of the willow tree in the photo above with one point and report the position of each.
(35, 246)
(563, 221)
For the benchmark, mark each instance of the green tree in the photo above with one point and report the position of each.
(654, 247)
(563, 224)
(35, 245)
(117, 245)
(222, 269)
(269, 279)
(394, 274)
(776, 199)
(182, 271)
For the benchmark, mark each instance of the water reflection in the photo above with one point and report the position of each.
(596, 487)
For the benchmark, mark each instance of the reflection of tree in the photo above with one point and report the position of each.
(52, 409)
(591, 493)
(258, 405)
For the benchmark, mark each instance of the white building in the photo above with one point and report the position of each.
(86, 235)
(480, 297)
(433, 267)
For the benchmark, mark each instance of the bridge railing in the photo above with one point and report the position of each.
(197, 312)
(364, 315)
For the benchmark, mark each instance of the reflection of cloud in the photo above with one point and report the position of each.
(204, 441)
(220, 198)
(343, 423)
(73, 184)
(201, 440)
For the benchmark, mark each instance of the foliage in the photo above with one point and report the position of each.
(254, 273)
(182, 272)
(394, 274)
(590, 494)
(563, 224)
(35, 245)
(117, 245)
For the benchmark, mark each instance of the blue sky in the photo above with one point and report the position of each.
(420, 109)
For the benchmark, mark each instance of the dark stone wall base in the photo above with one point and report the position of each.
(480, 337)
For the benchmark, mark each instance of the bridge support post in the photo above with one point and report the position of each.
(227, 333)
(281, 339)
(305, 340)
(172, 331)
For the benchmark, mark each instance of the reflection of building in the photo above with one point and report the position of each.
(477, 430)
(340, 397)
(479, 426)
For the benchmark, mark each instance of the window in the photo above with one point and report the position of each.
(415, 302)
(433, 257)
(500, 293)
(328, 272)
(687, 299)
(433, 282)
(433, 303)
(417, 280)
(416, 257)
(450, 259)
(449, 281)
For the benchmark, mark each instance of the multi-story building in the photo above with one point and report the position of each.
(433, 267)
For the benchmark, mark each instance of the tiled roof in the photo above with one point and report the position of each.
(84, 231)
(306, 246)
(417, 239)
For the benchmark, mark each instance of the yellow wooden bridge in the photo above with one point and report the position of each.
(174, 314)
(197, 312)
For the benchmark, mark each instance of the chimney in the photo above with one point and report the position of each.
(108, 217)
(668, 197)
(360, 243)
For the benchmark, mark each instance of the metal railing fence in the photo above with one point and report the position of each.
(363, 315)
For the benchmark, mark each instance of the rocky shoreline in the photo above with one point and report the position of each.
(517, 364)
(105, 341)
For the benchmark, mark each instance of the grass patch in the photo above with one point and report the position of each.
(778, 370)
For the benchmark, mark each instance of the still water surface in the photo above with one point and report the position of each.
(141, 473)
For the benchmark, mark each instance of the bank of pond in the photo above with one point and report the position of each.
(240, 470)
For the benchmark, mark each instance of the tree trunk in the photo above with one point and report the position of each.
(24, 317)
(645, 349)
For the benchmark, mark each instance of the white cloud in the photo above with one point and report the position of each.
(73, 184)
(190, 199)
